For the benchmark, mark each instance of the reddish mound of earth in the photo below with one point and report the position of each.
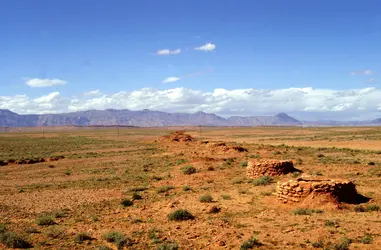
(178, 136)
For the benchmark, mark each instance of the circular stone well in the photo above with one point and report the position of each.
(305, 188)
(257, 168)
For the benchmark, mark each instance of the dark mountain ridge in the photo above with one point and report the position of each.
(143, 118)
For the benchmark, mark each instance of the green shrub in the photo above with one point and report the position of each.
(207, 198)
(262, 181)
(60, 213)
(343, 245)
(168, 246)
(13, 240)
(180, 215)
(55, 232)
(367, 208)
(330, 223)
(164, 189)
(243, 164)
(225, 197)
(371, 163)
(187, 188)
(31, 230)
(113, 236)
(81, 237)
(136, 196)
(126, 203)
(367, 239)
(45, 220)
(138, 189)
(306, 211)
(317, 244)
(118, 239)
(250, 244)
(2, 228)
(188, 170)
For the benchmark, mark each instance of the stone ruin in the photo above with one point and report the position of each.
(303, 189)
(257, 168)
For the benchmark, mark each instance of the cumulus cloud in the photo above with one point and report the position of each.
(323, 103)
(166, 52)
(40, 83)
(207, 47)
(362, 72)
(171, 79)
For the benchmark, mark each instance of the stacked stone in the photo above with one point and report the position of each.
(292, 191)
(256, 169)
(297, 190)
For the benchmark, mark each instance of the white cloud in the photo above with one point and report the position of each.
(322, 103)
(39, 83)
(47, 98)
(207, 47)
(362, 72)
(93, 92)
(171, 79)
(166, 52)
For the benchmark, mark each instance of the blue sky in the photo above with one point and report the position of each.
(112, 46)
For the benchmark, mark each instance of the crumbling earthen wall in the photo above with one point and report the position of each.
(300, 189)
(257, 168)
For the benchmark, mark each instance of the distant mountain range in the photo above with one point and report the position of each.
(148, 118)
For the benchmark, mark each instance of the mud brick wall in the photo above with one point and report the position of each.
(297, 190)
(257, 168)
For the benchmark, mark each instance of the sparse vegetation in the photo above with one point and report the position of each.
(225, 196)
(188, 170)
(14, 240)
(55, 232)
(330, 223)
(165, 189)
(306, 211)
(367, 208)
(262, 181)
(45, 220)
(180, 215)
(243, 164)
(101, 165)
(136, 196)
(317, 244)
(366, 239)
(250, 244)
(168, 246)
(126, 202)
(81, 237)
(342, 245)
(207, 198)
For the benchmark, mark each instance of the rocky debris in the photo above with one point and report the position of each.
(301, 189)
(178, 136)
(257, 168)
(221, 146)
